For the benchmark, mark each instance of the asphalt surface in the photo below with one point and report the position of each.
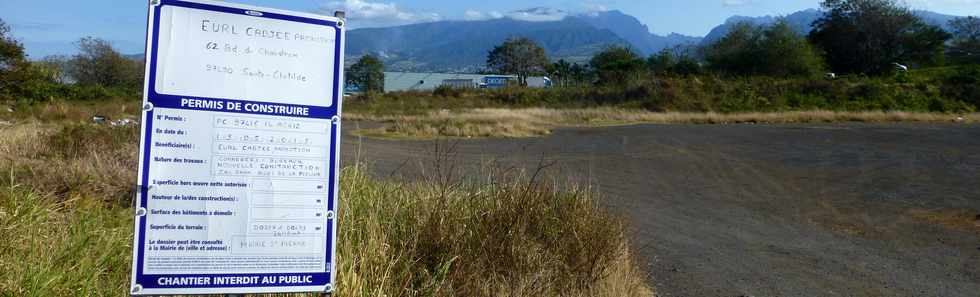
(761, 210)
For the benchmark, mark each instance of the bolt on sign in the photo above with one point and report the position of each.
(239, 150)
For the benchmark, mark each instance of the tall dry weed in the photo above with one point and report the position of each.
(71, 159)
(512, 237)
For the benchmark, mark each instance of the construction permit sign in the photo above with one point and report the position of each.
(238, 164)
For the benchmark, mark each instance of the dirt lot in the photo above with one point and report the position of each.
(762, 210)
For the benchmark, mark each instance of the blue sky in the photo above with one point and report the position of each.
(49, 27)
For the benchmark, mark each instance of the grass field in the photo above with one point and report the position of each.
(945, 94)
(468, 118)
(66, 225)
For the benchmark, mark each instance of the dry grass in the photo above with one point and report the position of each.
(71, 160)
(512, 237)
(65, 224)
(456, 128)
(529, 122)
(70, 111)
(962, 219)
(64, 220)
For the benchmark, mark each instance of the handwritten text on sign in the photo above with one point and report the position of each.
(264, 59)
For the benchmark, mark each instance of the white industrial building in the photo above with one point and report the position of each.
(416, 81)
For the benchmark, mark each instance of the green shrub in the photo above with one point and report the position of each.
(964, 85)
(775, 50)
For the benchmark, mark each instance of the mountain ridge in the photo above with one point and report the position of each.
(634, 31)
(461, 46)
(802, 22)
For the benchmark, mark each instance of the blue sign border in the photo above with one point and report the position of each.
(158, 100)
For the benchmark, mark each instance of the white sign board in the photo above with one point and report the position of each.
(239, 151)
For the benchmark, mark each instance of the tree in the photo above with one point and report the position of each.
(617, 65)
(738, 52)
(98, 63)
(686, 65)
(368, 73)
(521, 56)
(55, 68)
(786, 53)
(15, 69)
(965, 47)
(776, 50)
(868, 36)
(580, 74)
(661, 63)
(562, 72)
(673, 61)
(926, 45)
(11, 51)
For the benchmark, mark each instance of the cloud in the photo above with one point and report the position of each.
(538, 14)
(368, 13)
(364, 13)
(475, 15)
(593, 8)
(735, 2)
